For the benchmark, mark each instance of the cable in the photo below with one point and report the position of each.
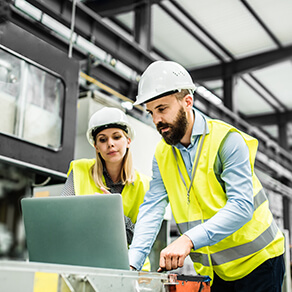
(72, 28)
(43, 183)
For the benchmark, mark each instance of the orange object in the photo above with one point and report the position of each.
(190, 284)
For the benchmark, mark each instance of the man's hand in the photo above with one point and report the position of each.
(173, 256)
(132, 268)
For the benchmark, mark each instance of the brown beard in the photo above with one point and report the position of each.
(176, 130)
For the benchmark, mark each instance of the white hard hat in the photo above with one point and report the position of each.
(108, 117)
(162, 78)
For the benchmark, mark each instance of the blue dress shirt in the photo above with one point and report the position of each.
(233, 172)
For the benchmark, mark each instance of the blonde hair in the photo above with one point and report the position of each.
(127, 174)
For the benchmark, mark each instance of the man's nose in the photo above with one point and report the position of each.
(156, 118)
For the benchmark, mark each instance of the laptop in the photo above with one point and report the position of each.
(84, 230)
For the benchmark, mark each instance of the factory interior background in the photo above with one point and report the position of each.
(60, 61)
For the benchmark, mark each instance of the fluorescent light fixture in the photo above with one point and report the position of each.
(127, 105)
(124, 69)
(209, 95)
(28, 9)
(91, 48)
(57, 27)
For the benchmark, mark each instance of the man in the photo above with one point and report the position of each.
(205, 169)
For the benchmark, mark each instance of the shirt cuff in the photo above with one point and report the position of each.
(198, 236)
(136, 259)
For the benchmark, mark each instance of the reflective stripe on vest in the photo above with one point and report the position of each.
(234, 253)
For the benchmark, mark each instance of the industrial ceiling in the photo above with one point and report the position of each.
(238, 52)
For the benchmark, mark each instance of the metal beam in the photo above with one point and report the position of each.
(190, 31)
(286, 213)
(286, 205)
(103, 71)
(260, 94)
(261, 22)
(268, 119)
(110, 77)
(241, 65)
(198, 25)
(107, 8)
(142, 27)
(283, 135)
(90, 25)
(228, 81)
(113, 7)
(40, 31)
(228, 92)
(279, 119)
(279, 102)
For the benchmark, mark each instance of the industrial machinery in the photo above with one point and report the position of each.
(39, 277)
(38, 100)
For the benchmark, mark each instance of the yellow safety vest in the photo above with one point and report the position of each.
(240, 253)
(132, 194)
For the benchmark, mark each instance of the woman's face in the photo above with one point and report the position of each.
(112, 145)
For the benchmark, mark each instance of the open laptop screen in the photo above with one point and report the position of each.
(84, 230)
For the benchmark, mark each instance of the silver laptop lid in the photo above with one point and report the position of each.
(84, 230)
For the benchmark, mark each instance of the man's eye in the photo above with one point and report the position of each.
(161, 109)
(102, 140)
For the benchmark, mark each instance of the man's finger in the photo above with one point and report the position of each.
(174, 262)
(168, 263)
(181, 261)
(162, 262)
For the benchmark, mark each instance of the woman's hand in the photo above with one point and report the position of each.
(105, 191)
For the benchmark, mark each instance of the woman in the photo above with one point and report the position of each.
(112, 171)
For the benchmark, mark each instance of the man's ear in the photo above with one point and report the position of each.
(189, 101)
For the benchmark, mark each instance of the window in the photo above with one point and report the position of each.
(31, 101)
